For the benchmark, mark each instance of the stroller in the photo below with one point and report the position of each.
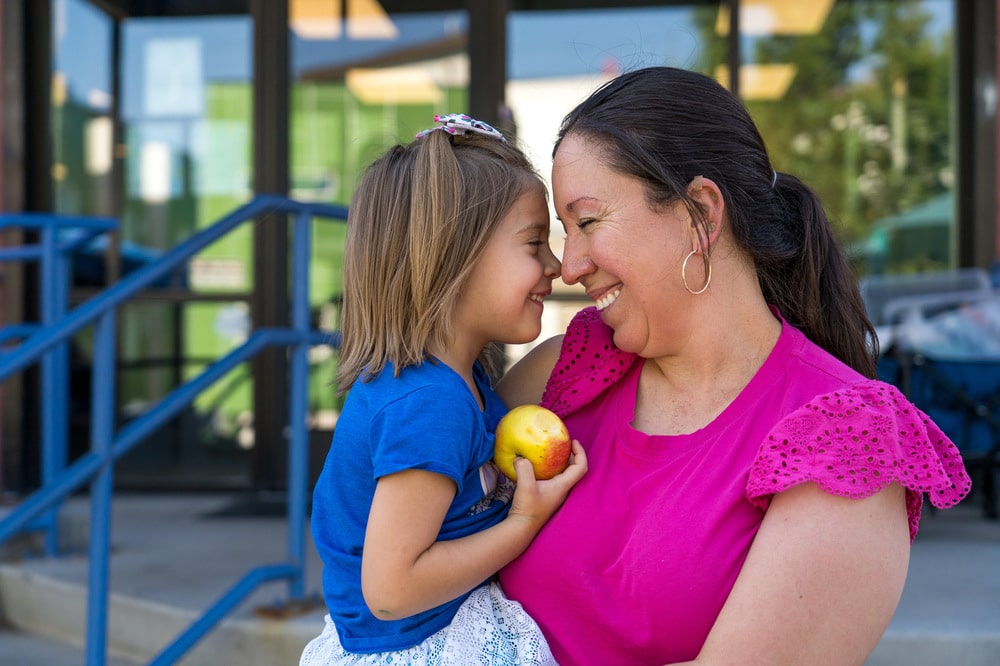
(941, 348)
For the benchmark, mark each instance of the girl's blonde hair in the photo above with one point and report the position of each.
(418, 221)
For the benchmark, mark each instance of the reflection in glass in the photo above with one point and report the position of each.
(855, 100)
(187, 121)
(82, 136)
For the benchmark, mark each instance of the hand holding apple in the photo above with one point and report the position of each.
(535, 433)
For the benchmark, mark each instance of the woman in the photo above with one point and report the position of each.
(752, 492)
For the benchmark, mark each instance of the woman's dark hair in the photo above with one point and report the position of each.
(665, 126)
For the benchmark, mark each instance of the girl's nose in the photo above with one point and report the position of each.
(551, 265)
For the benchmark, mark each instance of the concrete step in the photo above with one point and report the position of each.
(22, 649)
(172, 558)
(175, 555)
(72, 534)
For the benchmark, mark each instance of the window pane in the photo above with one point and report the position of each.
(187, 111)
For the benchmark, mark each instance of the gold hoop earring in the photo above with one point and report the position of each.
(708, 272)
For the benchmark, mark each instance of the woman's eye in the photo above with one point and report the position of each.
(585, 222)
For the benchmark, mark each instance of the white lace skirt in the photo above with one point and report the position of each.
(488, 630)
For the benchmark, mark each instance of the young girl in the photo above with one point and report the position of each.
(447, 252)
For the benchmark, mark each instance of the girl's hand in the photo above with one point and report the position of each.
(405, 570)
(535, 501)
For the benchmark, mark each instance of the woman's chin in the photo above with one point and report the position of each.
(624, 342)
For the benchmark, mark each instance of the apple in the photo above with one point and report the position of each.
(535, 433)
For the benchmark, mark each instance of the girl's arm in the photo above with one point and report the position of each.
(406, 570)
(820, 583)
(525, 382)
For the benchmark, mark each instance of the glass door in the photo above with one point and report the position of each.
(159, 135)
(187, 149)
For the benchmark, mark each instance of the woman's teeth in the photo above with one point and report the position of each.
(608, 299)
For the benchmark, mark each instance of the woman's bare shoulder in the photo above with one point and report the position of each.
(525, 381)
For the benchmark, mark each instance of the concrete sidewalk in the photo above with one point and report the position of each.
(949, 614)
(174, 555)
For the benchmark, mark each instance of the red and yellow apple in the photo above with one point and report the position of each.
(535, 433)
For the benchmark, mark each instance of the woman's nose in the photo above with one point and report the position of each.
(575, 261)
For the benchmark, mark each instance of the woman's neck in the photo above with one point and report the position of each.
(681, 393)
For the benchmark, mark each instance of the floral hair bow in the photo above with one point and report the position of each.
(459, 123)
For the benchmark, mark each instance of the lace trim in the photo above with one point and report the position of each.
(588, 364)
(857, 441)
(488, 629)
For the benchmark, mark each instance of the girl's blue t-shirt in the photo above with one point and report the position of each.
(426, 418)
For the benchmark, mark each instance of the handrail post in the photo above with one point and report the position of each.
(102, 432)
(54, 376)
(298, 445)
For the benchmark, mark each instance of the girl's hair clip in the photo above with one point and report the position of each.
(459, 123)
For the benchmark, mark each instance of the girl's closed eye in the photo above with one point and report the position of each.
(585, 222)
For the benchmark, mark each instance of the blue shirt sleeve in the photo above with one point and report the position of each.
(427, 429)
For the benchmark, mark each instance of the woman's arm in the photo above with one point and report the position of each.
(406, 570)
(821, 581)
(525, 382)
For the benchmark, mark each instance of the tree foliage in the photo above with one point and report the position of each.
(866, 120)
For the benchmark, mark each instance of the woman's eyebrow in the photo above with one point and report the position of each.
(572, 204)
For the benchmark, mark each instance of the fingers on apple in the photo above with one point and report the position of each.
(523, 468)
(578, 458)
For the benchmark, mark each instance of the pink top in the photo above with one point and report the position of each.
(637, 564)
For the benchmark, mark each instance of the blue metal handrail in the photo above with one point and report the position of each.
(52, 252)
(107, 446)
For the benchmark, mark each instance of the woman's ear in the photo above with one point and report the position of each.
(708, 197)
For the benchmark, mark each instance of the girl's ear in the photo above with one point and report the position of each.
(708, 197)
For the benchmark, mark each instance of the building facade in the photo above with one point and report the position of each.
(167, 114)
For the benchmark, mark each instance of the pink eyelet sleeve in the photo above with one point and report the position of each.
(856, 441)
(588, 364)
